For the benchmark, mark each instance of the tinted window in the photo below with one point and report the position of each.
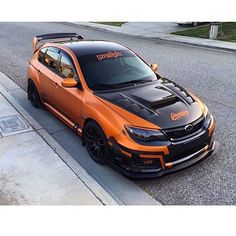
(41, 54)
(51, 59)
(114, 69)
(66, 69)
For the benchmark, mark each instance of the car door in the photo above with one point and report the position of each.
(68, 100)
(47, 69)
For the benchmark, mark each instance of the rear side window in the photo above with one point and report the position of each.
(51, 59)
(66, 68)
(41, 54)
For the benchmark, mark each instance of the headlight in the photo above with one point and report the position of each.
(205, 110)
(208, 120)
(145, 134)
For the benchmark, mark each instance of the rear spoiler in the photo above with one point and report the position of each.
(39, 38)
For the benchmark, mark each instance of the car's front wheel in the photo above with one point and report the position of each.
(33, 94)
(96, 142)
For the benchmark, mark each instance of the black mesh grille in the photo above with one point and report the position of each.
(182, 132)
(185, 152)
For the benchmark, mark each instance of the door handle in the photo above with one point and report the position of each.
(56, 84)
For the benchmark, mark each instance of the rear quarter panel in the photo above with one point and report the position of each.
(33, 70)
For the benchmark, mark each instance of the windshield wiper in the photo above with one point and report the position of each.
(118, 85)
(104, 86)
(136, 81)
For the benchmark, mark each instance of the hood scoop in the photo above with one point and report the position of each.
(167, 101)
(155, 98)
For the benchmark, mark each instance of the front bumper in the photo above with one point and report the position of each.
(145, 165)
(141, 172)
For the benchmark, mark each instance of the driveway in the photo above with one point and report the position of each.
(154, 27)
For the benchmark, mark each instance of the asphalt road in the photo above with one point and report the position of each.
(210, 74)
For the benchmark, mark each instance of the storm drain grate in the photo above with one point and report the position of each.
(10, 124)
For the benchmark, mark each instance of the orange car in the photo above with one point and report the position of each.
(127, 115)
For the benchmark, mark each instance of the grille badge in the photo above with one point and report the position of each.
(188, 127)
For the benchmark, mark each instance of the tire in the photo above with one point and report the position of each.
(194, 24)
(33, 94)
(96, 142)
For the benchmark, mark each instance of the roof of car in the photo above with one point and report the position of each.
(88, 47)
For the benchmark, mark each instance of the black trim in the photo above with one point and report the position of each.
(58, 36)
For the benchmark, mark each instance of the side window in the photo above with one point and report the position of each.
(41, 54)
(66, 68)
(51, 59)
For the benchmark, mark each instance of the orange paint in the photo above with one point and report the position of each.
(126, 153)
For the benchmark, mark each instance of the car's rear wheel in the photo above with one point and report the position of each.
(33, 94)
(96, 142)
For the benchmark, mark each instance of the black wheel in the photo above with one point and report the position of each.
(194, 24)
(33, 94)
(96, 142)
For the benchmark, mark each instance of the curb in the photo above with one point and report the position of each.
(184, 40)
(195, 44)
(74, 166)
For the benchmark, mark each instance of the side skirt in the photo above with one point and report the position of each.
(64, 119)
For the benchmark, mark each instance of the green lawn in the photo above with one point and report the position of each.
(113, 23)
(227, 32)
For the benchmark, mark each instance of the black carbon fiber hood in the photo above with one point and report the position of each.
(162, 103)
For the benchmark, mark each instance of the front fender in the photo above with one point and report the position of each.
(109, 120)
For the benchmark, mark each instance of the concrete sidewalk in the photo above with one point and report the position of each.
(147, 30)
(31, 171)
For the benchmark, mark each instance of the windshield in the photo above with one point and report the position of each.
(114, 69)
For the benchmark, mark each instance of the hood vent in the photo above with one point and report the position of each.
(164, 102)
(134, 106)
(178, 90)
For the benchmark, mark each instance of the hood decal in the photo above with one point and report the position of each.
(179, 115)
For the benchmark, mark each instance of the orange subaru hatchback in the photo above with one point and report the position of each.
(127, 115)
